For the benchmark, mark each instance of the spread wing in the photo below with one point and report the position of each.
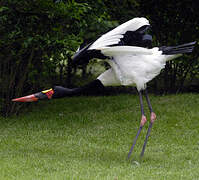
(129, 33)
(125, 50)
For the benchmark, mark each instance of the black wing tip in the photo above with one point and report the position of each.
(180, 49)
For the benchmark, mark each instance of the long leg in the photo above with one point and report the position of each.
(142, 122)
(153, 117)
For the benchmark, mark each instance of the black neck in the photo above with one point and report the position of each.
(93, 88)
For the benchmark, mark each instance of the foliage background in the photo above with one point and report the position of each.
(38, 38)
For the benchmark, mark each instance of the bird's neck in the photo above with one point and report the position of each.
(93, 88)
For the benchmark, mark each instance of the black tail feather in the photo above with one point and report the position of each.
(180, 49)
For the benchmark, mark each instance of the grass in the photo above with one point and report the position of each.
(88, 138)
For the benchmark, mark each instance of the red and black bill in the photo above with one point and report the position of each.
(47, 94)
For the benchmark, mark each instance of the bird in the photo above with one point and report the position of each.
(133, 62)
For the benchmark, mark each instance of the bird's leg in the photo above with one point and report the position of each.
(142, 122)
(152, 120)
(153, 115)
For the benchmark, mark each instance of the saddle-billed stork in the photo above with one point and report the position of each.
(128, 50)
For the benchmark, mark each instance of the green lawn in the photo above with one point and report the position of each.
(89, 138)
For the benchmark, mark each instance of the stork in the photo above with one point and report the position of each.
(133, 62)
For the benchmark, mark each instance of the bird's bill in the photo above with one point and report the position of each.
(29, 98)
(47, 94)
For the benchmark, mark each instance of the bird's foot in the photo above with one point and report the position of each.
(153, 117)
(143, 120)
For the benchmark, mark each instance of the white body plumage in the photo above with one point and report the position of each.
(133, 67)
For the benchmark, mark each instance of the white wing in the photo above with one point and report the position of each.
(125, 50)
(114, 36)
